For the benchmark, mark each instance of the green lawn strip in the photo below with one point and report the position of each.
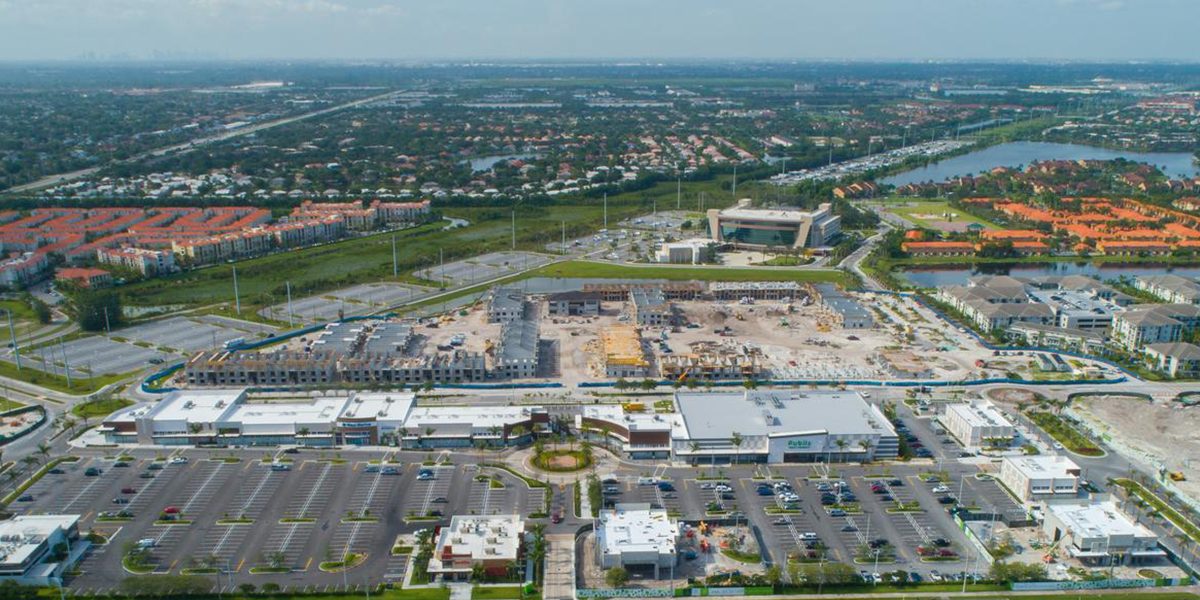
(1175, 517)
(1065, 433)
(742, 557)
(102, 407)
(505, 592)
(40, 473)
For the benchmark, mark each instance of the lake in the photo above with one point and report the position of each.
(942, 275)
(485, 163)
(1013, 154)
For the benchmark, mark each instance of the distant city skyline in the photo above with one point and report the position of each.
(1097, 30)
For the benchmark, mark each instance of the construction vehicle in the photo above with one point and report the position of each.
(1051, 553)
(1177, 476)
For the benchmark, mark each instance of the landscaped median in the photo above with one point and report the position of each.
(1175, 517)
(1064, 433)
(9, 499)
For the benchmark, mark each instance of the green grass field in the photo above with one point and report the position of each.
(928, 213)
(97, 409)
(261, 281)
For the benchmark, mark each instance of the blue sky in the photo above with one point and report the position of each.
(574, 29)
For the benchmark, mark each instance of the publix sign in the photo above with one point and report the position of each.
(799, 444)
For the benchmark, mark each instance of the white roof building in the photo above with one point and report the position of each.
(977, 422)
(636, 535)
(493, 542)
(1100, 533)
(27, 543)
(1041, 476)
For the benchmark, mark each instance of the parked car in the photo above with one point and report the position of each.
(92, 472)
(128, 490)
(25, 498)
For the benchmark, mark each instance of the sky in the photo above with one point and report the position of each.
(600, 29)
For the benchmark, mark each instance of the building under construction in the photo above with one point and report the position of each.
(672, 290)
(709, 361)
(360, 353)
(622, 352)
(760, 290)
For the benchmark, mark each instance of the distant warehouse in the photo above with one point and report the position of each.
(749, 227)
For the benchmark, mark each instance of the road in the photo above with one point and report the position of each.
(853, 262)
(190, 145)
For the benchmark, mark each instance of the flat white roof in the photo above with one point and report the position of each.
(1102, 519)
(483, 538)
(382, 406)
(477, 416)
(1044, 466)
(198, 406)
(981, 414)
(637, 528)
(631, 421)
(319, 410)
(716, 415)
(770, 215)
(23, 535)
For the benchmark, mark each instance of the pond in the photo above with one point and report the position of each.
(942, 275)
(1014, 154)
(484, 163)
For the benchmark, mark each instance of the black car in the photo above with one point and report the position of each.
(947, 500)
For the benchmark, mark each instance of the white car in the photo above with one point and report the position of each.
(941, 489)
(179, 460)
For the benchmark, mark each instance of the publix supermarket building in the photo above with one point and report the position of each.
(774, 426)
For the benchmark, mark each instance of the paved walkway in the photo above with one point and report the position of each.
(560, 567)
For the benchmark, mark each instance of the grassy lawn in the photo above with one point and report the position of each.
(1065, 433)
(507, 592)
(100, 408)
(6, 404)
(1172, 515)
(261, 281)
(926, 212)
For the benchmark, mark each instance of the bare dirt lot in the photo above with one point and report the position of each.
(1161, 432)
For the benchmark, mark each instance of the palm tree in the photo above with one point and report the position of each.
(866, 448)
(736, 439)
(841, 444)
(694, 447)
(44, 450)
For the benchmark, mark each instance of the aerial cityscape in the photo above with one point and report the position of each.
(528, 301)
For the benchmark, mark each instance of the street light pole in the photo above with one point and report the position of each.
(13, 333)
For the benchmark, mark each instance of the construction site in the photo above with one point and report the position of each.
(683, 332)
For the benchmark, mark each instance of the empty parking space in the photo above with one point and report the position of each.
(87, 356)
(182, 334)
(483, 268)
(351, 301)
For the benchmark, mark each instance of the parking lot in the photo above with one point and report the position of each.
(352, 301)
(96, 355)
(483, 268)
(140, 346)
(235, 514)
(188, 335)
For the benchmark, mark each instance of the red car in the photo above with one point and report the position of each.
(171, 510)
(557, 517)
